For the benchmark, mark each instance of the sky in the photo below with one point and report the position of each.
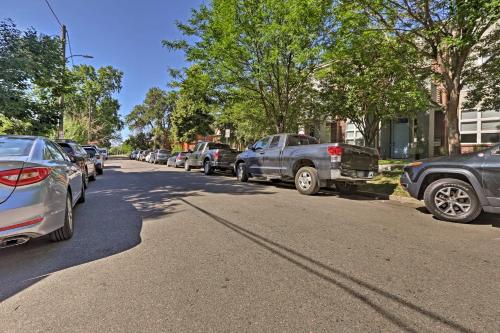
(125, 34)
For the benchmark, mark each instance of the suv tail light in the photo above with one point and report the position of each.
(26, 176)
(335, 151)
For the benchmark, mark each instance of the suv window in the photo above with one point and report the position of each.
(262, 143)
(301, 140)
(275, 141)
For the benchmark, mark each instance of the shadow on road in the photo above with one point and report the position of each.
(109, 222)
(355, 287)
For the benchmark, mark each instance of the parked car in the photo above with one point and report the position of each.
(80, 157)
(211, 156)
(148, 157)
(96, 157)
(178, 159)
(300, 158)
(138, 155)
(39, 186)
(160, 156)
(103, 152)
(133, 155)
(457, 188)
(143, 154)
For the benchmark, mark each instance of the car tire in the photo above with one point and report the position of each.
(82, 196)
(346, 188)
(241, 172)
(100, 171)
(66, 231)
(452, 200)
(307, 181)
(207, 168)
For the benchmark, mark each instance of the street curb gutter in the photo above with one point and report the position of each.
(381, 196)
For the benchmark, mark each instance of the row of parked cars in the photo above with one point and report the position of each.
(40, 183)
(454, 188)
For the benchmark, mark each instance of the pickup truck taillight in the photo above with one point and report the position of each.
(216, 155)
(335, 151)
(26, 176)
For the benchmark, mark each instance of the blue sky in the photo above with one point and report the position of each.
(126, 34)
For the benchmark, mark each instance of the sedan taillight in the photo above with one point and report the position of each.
(26, 176)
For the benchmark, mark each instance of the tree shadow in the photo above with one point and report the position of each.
(353, 286)
(109, 222)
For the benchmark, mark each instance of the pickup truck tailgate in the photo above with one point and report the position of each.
(357, 158)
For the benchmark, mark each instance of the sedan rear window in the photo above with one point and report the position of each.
(214, 145)
(10, 146)
(66, 147)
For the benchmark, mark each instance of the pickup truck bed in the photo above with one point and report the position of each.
(299, 158)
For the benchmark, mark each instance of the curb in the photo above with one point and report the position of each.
(381, 196)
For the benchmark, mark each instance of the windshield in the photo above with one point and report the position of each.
(10, 146)
(90, 151)
(66, 147)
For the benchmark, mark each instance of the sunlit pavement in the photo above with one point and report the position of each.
(160, 249)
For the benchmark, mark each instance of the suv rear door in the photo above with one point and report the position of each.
(491, 178)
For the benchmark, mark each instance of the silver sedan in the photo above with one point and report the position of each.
(39, 186)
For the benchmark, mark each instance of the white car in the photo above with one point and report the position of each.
(149, 156)
(104, 152)
(98, 158)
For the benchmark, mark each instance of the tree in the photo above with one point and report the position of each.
(30, 80)
(90, 106)
(139, 141)
(153, 115)
(368, 79)
(195, 106)
(448, 33)
(268, 49)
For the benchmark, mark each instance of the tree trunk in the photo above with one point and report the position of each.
(452, 123)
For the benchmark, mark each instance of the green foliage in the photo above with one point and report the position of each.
(266, 49)
(153, 116)
(140, 141)
(195, 106)
(368, 79)
(91, 111)
(31, 78)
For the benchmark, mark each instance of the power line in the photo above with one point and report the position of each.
(70, 50)
(53, 13)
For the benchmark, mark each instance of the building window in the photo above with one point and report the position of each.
(480, 127)
(353, 135)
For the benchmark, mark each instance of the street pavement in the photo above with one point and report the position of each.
(157, 249)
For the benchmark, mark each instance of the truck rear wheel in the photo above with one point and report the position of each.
(307, 181)
(207, 168)
(241, 173)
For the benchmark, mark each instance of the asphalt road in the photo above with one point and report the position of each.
(158, 249)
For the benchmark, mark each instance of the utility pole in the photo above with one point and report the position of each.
(61, 98)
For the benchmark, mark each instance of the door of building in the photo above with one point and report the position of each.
(400, 139)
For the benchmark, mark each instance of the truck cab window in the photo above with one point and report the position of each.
(275, 142)
(261, 144)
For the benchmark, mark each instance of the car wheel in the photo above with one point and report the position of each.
(82, 195)
(100, 171)
(207, 169)
(187, 167)
(346, 188)
(66, 231)
(452, 200)
(92, 177)
(241, 173)
(307, 181)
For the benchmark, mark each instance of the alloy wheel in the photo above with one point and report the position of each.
(452, 201)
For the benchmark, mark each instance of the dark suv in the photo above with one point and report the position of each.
(79, 157)
(457, 188)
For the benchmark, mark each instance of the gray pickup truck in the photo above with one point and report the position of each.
(211, 156)
(300, 158)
